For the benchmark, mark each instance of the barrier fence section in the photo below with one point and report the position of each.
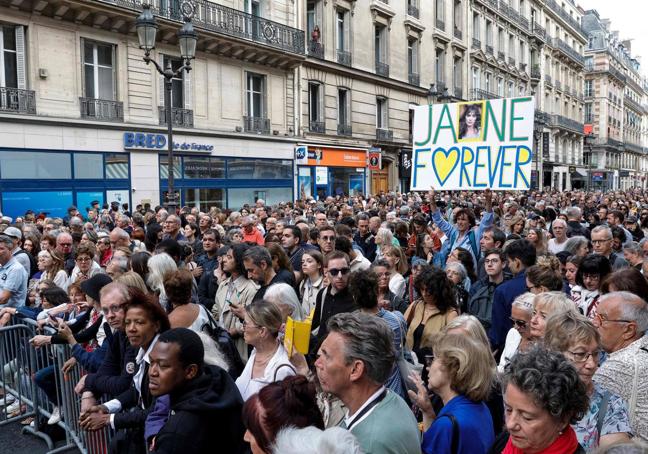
(32, 384)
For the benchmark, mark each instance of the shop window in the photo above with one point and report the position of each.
(164, 167)
(203, 167)
(88, 166)
(35, 165)
(204, 198)
(236, 198)
(99, 70)
(117, 166)
(268, 169)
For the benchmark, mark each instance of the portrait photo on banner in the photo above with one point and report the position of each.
(473, 145)
(469, 126)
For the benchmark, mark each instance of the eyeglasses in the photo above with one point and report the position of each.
(65, 244)
(337, 271)
(83, 259)
(112, 309)
(581, 357)
(328, 238)
(602, 318)
(601, 241)
(591, 277)
(519, 323)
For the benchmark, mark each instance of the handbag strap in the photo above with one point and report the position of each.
(454, 444)
(600, 418)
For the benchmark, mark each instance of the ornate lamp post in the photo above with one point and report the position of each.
(147, 28)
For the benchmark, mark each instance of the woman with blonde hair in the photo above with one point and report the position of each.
(545, 305)
(516, 225)
(397, 261)
(461, 373)
(538, 238)
(159, 265)
(51, 263)
(384, 237)
(132, 279)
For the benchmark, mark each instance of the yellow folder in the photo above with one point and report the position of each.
(297, 335)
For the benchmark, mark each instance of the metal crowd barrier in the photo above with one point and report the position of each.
(20, 363)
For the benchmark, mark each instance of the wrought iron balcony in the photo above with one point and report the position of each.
(489, 49)
(567, 123)
(568, 51)
(457, 33)
(384, 135)
(101, 109)
(565, 16)
(538, 31)
(476, 44)
(15, 100)
(344, 57)
(382, 69)
(616, 73)
(413, 11)
(414, 79)
(477, 94)
(316, 49)
(317, 126)
(344, 130)
(258, 125)
(440, 24)
(228, 21)
(180, 117)
(535, 72)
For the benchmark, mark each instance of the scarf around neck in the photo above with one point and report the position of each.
(567, 443)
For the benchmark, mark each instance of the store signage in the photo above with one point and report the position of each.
(149, 141)
(473, 145)
(331, 157)
(374, 159)
(321, 175)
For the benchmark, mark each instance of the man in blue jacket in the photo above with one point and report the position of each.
(520, 255)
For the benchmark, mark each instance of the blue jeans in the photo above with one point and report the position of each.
(46, 380)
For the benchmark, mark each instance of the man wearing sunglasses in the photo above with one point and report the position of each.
(334, 299)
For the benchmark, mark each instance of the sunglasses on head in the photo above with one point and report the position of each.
(337, 271)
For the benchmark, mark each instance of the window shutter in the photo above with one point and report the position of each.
(20, 57)
(186, 88)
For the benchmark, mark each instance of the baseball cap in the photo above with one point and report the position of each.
(13, 232)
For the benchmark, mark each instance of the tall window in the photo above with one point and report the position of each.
(588, 88)
(440, 67)
(412, 56)
(511, 90)
(500, 40)
(177, 83)
(489, 33)
(457, 73)
(457, 15)
(344, 107)
(475, 78)
(255, 94)
(487, 82)
(588, 113)
(342, 30)
(440, 12)
(12, 56)
(476, 31)
(380, 43)
(511, 48)
(99, 71)
(315, 102)
(253, 7)
(382, 112)
(500, 87)
(311, 17)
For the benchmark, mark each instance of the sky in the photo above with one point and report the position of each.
(629, 18)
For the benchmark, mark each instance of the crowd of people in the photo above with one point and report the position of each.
(459, 322)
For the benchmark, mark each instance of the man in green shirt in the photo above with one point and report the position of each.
(354, 362)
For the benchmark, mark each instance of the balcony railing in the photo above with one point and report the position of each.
(476, 44)
(316, 49)
(344, 130)
(414, 79)
(478, 93)
(180, 117)
(457, 33)
(440, 24)
(228, 21)
(571, 53)
(344, 57)
(565, 16)
(256, 124)
(15, 100)
(384, 135)
(101, 109)
(567, 123)
(413, 11)
(538, 31)
(589, 118)
(382, 69)
(489, 49)
(616, 73)
(535, 72)
(317, 126)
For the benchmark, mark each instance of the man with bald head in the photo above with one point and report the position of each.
(171, 229)
(120, 238)
(622, 321)
(64, 247)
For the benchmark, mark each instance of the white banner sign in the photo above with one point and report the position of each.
(473, 145)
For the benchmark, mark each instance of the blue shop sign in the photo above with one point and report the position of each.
(150, 141)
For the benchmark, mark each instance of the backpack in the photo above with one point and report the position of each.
(226, 345)
(480, 305)
(33, 266)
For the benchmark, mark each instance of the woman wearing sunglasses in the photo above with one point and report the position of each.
(606, 421)
(518, 337)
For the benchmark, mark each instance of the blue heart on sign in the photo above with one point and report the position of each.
(444, 162)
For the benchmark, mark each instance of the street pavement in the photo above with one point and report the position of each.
(13, 441)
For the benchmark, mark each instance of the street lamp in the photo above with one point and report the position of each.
(539, 123)
(147, 28)
(589, 141)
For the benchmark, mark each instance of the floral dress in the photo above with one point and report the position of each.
(616, 420)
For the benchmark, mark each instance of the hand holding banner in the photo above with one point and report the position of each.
(473, 145)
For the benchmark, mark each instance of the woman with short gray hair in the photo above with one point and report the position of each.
(578, 246)
(543, 395)
(518, 337)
